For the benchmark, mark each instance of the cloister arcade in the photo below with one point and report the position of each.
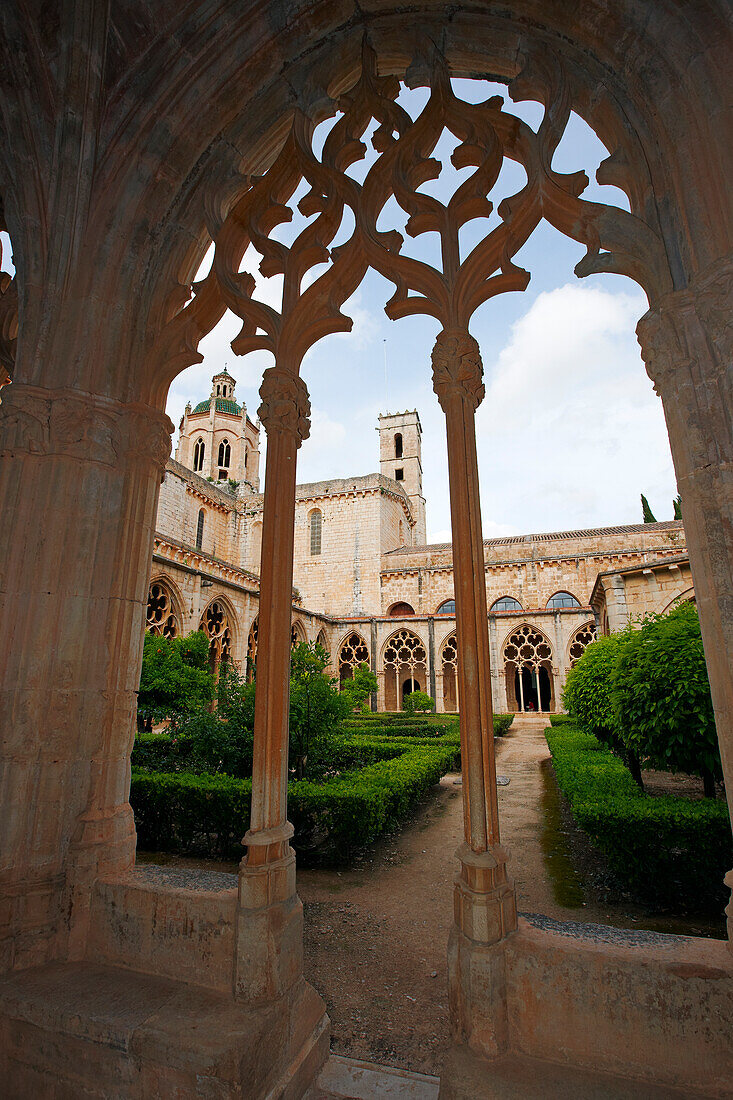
(131, 140)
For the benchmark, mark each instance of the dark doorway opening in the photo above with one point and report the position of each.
(535, 689)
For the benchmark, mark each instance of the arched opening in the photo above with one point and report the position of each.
(225, 457)
(216, 624)
(200, 529)
(449, 666)
(563, 600)
(353, 652)
(582, 638)
(405, 663)
(505, 603)
(160, 616)
(398, 445)
(316, 528)
(448, 607)
(199, 453)
(251, 672)
(528, 673)
(401, 610)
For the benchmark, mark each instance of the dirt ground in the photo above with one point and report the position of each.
(376, 934)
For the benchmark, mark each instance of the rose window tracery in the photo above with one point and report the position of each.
(160, 617)
(215, 624)
(582, 638)
(353, 653)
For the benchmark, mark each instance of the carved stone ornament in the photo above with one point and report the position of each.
(457, 368)
(91, 429)
(285, 404)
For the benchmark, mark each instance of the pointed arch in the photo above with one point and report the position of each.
(219, 623)
(251, 670)
(353, 651)
(405, 664)
(580, 640)
(448, 664)
(163, 614)
(528, 658)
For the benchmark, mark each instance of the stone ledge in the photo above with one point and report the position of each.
(98, 1031)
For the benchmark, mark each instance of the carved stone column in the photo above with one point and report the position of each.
(687, 345)
(270, 924)
(484, 899)
(79, 485)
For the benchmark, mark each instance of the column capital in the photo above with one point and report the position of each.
(84, 426)
(285, 404)
(457, 368)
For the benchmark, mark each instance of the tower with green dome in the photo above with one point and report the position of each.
(217, 439)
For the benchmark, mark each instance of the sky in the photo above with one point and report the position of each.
(570, 431)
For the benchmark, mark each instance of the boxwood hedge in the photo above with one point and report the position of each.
(199, 814)
(671, 850)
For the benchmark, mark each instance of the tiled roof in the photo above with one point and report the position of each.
(223, 405)
(550, 536)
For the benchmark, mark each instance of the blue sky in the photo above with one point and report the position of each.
(570, 431)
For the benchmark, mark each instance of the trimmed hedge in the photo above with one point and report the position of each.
(208, 815)
(418, 725)
(671, 850)
(562, 720)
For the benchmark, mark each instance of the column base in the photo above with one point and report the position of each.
(484, 901)
(269, 930)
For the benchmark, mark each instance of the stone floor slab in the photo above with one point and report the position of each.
(348, 1079)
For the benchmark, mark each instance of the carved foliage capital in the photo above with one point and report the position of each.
(285, 404)
(35, 421)
(457, 368)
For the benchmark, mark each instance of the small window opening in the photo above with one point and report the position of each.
(398, 445)
(200, 530)
(315, 532)
(399, 474)
(199, 451)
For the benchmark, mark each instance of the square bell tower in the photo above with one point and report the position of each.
(400, 457)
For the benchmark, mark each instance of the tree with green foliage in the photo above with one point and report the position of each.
(418, 701)
(677, 506)
(587, 696)
(316, 705)
(358, 689)
(175, 677)
(647, 514)
(661, 696)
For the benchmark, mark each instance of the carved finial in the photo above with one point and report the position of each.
(457, 368)
(285, 404)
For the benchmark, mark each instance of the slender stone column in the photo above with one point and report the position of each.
(687, 345)
(269, 943)
(485, 904)
(80, 475)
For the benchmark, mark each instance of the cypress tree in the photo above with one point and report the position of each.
(646, 511)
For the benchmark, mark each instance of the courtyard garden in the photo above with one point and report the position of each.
(354, 775)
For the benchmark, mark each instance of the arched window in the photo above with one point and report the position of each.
(316, 526)
(225, 455)
(199, 451)
(400, 610)
(160, 617)
(353, 653)
(448, 607)
(449, 664)
(398, 445)
(252, 652)
(562, 599)
(582, 637)
(528, 670)
(200, 530)
(216, 626)
(405, 668)
(506, 603)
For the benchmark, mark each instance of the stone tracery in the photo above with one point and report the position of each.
(353, 652)
(405, 666)
(449, 665)
(527, 650)
(580, 640)
(216, 625)
(160, 616)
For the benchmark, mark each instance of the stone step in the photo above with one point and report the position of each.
(349, 1079)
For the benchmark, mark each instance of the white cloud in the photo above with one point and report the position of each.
(571, 431)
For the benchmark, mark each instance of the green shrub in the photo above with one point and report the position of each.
(671, 851)
(208, 815)
(175, 676)
(502, 722)
(358, 689)
(562, 720)
(417, 701)
(661, 696)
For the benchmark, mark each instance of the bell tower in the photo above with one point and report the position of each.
(400, 457)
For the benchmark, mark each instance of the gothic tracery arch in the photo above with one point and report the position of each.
(449, 665)
(251, 671)
(353, 652)
(404, 660)
(217, 622)
(580, 640)
(527, 656)
(161, 616)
